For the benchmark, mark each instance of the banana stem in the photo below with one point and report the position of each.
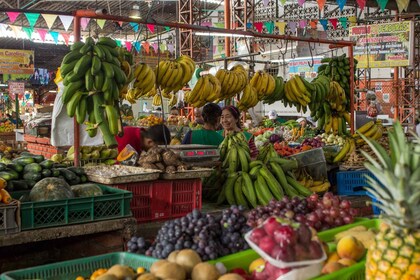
(98, 110)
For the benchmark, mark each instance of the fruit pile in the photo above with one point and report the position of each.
(7, 152)
(321, 213)
(143, 85)
(150, 120)
(371, 130)
(95, 154)
(281, 242)
(251, 183)
(173, 75)
(6, 126)
(305, 179)
(94, 74)
(210, 236)
(284, 150)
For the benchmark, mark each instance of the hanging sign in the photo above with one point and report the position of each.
(383, 45)
(300, 66)
(16, 88)
(16, 61)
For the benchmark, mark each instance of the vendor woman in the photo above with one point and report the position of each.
(207, 135)
(144, 139)
(231, 122)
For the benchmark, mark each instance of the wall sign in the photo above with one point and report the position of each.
(383, 45)
(16, 89)
(16, 61)
(300, 66)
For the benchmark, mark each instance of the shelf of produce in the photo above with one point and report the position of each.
(44, 246)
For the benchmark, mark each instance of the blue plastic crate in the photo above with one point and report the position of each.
(375, 209)
(352, 182)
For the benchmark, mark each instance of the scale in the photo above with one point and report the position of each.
(198, 155)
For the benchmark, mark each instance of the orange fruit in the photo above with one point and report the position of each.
(257, 265)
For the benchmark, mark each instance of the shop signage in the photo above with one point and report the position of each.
(16, 61)
(16, 88)
(300, 66)
(383, 45)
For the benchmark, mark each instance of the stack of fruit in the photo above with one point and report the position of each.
(320, 213)
(299, 92)
(173, 75)
(144, 83)
(306, 180)
(232, 81)
(148, 121)
(92, 81)
(285, 245)
(5, 197)
(94, 154)
(6, 126)
(371, 130)
(207, 89)
(251, 183)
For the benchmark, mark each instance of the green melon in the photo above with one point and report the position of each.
(49, 189)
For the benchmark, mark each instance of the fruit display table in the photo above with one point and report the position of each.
(42, 146)
(42, 246)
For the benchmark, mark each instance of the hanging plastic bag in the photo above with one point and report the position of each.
(128, 156)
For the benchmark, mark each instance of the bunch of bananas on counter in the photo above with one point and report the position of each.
(348, 148)
(207, 89)
(173, 75)
(278, 94)
(306, 180)
(264, 83)
(299, 92)
(371, 130)
(232, 81)
(92, 82)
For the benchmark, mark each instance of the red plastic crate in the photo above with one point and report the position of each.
(163, 199)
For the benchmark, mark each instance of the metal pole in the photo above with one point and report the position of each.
(227, 58)
(397, 93)
(76, 130)
(227, 26)
(351, 58)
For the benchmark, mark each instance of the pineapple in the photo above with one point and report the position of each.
(395, 254)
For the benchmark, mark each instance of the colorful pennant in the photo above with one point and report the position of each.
(403, 5)
(281, 26)
(137, 46)
(292, 25)
(313, 23)
(28, 31)
(84, 22)
(54, 35)
(343, 22)
(128, 45)
(12, 16)
(170, 48)
(49, 19)
(42, 33)
(382, 4)
(302, 23)
(101, 23)
(32, 18)
(155, 47)
(324, 23)
(151, 27)
(265, 2)
(66, 21)
(321, 4)
(162, 47)
(361, 3)
(258, 26)
(219, 24)
(118, 43)
(66, 38)
(248, 25)
(269, 26)
(16, 30)
(206, 24)
(135, 26)
(146, 46)
(341, 4)
(167, 28)
(301, 2)
(334, 22)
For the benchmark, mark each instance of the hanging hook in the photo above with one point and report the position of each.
(311, 64)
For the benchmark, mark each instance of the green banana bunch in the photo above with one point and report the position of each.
(93, 74)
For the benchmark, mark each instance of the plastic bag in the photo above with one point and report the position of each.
(128, 156)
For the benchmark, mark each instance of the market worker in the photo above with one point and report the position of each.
(231, 122)
(174, 111)
(302, 122)
(198, 115)
(207, 135)
(144, 139)
(272, 115)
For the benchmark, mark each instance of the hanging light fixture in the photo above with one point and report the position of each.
(135, 12)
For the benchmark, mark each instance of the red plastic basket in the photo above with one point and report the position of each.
(163, 199)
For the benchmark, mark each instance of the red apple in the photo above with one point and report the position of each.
(271, 225)
(257, 234)
(285, 234)
(267, 244)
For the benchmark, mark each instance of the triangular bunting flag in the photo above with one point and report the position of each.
(66, 38)
(120, 23)
(283, 2)
(343, 22)
(248, 25)
(167, 28)
(341, 4)
(28, 31)
(155, 47)
(403, 5)
(171, 48)
(32, 18)
(314, 23)
(135, 26)
(146, 46)
(382, 4)
(324, 23)
(219, 24)
(49, 19)
(54, 35)
(258, 26)
(334, 22)
(351, 21)
(281, 26)
(42, 33)
(265, 2)
(219, 48)
(162, 47)
(16, 30)
(214, 49)
(302, 23)
(321, 4)
(118, 43)
(292, 25)
(66, 21)
(206, 23)
(151, 27)
(361, 3)
(12, 16)
(301, 2)
(128, 45)
(137, 46)
(101, 23)
(270, 27)
(84, 22)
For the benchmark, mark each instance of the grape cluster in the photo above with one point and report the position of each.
(210, 236)
(320, 213)
(138, 245)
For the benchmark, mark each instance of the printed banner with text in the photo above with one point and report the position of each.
(300, 66)
(16, 61)
(383, 45)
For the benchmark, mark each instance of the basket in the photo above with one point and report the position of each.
(353, 182)
(69, 270)
(376, 210)
(8, 136)
(113, 204)
(313, 161)
(136, 174)
(163, 199)
(9, 218)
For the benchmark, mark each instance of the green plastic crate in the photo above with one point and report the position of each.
(115, 203)
(69, 270)
(328, 235)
